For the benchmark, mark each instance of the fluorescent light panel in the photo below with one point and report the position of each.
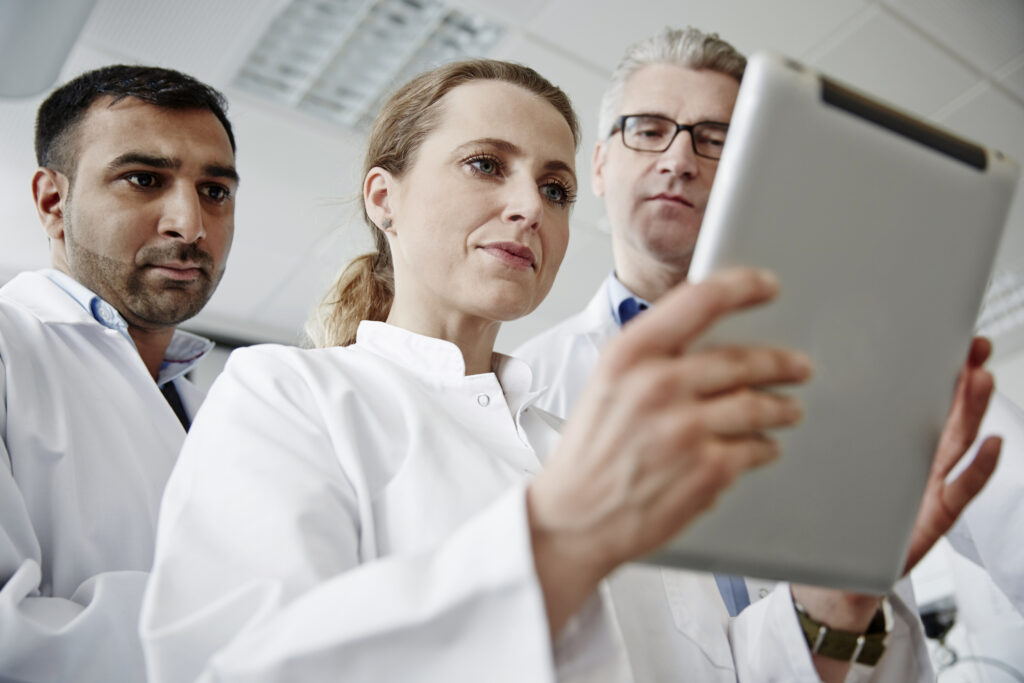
(339, 59)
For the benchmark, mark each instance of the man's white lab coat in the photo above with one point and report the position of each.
(87, 442)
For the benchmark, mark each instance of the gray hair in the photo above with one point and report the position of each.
(688, 47)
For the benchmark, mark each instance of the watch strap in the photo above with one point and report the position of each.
(848, 646)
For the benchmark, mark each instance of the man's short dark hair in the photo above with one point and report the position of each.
(64, 109)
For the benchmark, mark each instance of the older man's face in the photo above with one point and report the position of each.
(655, 200)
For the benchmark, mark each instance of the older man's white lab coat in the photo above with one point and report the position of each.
(87, 442)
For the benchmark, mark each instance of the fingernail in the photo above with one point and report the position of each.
(803, 363)
(768, 277)
(771, 453)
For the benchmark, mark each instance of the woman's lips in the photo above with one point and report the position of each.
(511, 254)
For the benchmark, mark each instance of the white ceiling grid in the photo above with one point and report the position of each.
(958, 62)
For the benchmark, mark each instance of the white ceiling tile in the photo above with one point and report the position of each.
(205, 39)
(987, 33)
(600, 32)
(885, 58)
(1012, 77)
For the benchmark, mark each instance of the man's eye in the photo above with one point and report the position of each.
(218, 193)
(142, 179)
(712, 138)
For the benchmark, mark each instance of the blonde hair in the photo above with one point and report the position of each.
(366, 287)
(688, 47)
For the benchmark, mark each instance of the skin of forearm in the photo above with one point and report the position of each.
(566, 574)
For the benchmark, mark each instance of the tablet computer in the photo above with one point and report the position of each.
(882, 229)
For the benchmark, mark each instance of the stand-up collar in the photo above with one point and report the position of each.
(437, 360)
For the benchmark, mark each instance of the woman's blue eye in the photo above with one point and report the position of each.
(557, 193)
(485, 165)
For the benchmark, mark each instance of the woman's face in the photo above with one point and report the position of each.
(481, 218)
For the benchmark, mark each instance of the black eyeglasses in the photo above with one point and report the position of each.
(652, 133)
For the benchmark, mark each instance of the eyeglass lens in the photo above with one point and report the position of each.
(655, 134)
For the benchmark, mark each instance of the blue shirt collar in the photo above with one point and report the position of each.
(100, 310)
(618, 294)
(183, 353)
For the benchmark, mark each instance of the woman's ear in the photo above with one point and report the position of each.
(49, 189)
(379, 188)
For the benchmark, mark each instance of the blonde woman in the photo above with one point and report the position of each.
(391, 507)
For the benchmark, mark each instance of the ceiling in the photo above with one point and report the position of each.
(959, 63)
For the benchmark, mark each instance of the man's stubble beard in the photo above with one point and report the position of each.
(124, 286)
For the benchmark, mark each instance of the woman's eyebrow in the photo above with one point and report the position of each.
(560, 166)
(497, 143)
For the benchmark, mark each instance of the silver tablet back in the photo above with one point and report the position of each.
(882, 230)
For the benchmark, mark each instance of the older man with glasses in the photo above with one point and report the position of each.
(664, 120)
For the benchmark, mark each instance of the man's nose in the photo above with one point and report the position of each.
(680, 158)
(182, 217)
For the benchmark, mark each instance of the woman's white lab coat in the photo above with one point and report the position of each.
(358, 514)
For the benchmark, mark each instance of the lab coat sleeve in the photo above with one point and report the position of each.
(259, 574)
(89, 636)
(989, 529)
(768, 645)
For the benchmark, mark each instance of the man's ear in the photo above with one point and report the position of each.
(597, 169)
(378, 197)
(49, 190)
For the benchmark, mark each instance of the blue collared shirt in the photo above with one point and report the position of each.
(619, 298)
(183, 353)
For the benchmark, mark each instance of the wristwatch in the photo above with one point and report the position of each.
(863, 648)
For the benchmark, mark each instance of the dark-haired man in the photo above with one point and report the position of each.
(135, 190)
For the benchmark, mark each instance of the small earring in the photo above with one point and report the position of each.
(386, 223)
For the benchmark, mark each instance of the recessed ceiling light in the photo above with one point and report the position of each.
(339, 59)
